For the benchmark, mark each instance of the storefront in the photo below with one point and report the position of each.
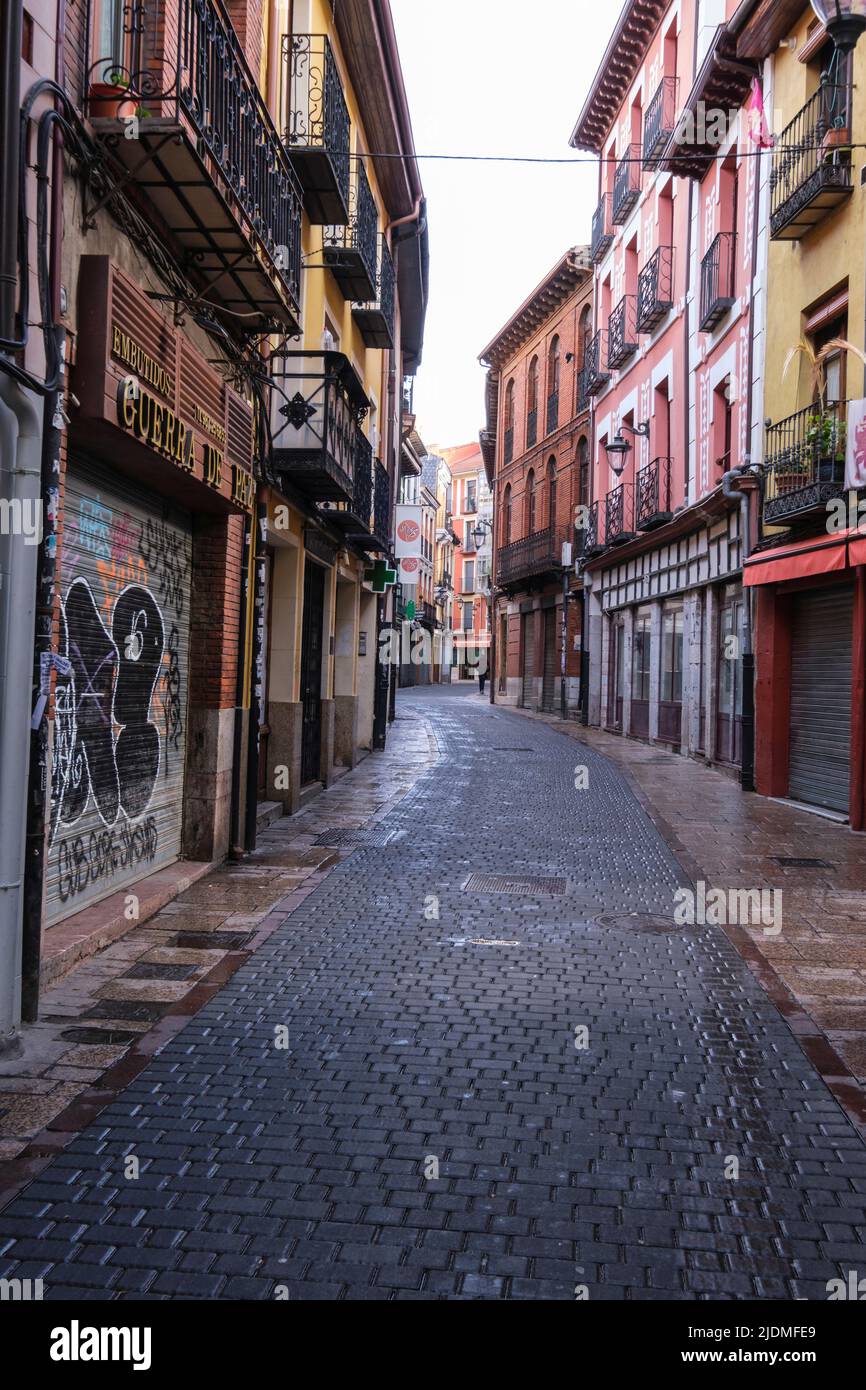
(157, 482)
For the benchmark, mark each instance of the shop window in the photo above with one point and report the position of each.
(640, 660)
(672, 657)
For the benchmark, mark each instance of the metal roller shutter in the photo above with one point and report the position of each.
(117, 777)
(552, 670)
(527, 698)
(821, 654)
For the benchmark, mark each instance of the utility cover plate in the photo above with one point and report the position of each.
(789, 862)
(500, 883)
(644, 923)
(355, 838)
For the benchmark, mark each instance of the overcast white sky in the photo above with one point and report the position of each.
(493, 77)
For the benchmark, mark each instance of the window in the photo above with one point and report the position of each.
(640, 660)
(584, 333)
(468, 537)
(530, 502)
(551, 493)
(468, 617)
(506, 516)
(468, 576)
(112, 44)
(470, 501)
(672, 656)
(583, 471)
(509, 406)
(553, 368)
(532, 386)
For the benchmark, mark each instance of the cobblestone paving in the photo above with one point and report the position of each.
(415, 1036)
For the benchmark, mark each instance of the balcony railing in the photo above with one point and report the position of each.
(553, 412)
(584, 395)
(602, 230)
(618, 515)
(597, 376)
(316, 125)
(718, 269)
(804, 462)
(376, 320)
(655, 289)
(508, 446)
(350, 251)
(587, 541)
(653, 484)
(218, 176)
(381, 505)
(626, 184)
(540, 553)
(317, 402)
(660, 122)
(621, 333)
(531, 428)
(812, 171)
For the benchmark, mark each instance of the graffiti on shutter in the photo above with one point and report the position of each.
(120, 707)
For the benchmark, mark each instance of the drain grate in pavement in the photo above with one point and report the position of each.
(147, 971)
(789, 862)
(355, 838)
(502, 883)
(645, 923)
(103, 1037)
(134, 1009)
(509, 748)
(212, 940)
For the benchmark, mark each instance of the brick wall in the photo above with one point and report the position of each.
(214, 618)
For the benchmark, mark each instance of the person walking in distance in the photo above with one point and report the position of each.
(482, 678)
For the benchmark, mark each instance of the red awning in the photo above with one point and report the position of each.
(819, 555)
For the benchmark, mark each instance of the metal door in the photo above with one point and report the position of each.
(552, 665)
(527, 697)
(311, 671)
(820, 740)
(119, 742)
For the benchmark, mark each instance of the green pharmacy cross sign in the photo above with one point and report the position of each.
(410, 610)
(380, 576)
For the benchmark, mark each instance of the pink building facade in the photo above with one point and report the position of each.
(672, 371)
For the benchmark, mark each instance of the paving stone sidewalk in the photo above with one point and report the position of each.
(433, 1029)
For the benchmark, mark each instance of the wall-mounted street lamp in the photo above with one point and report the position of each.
(619, 448)
(479, 531)
(844, 20)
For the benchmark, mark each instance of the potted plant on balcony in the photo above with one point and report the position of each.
(823, 457)
(108, 97)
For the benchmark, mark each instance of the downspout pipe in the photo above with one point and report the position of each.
(10, 48)
(740, 495)
(20, 487)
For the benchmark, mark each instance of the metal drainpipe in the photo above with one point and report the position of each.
(747, 771)
(20, 472)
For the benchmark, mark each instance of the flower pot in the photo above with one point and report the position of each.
(831, 470)
(790, 482)
(837, 138)
(106, 99)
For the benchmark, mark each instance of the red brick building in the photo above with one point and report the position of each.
(537, 453)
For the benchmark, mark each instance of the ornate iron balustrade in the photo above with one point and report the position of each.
(350, 251)
(812, 170)
(586, 538)
(626, 184)
(660, 122)
(584, 395)
(596, 375)
(602, 230)
(540, 553)
(718, 269)
(553, 412)
(621, 333)
(362, 500)
(618, 520)
(531, 428)
(376, 320)
(427, 613)
(653, 485)
(381, 504)
(655, 289)
(804, 461)
(316, 124)
(183, 64)
(508, 446)
(317, 403)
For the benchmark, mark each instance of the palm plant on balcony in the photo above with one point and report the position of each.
(826, 431)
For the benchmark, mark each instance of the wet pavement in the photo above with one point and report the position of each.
(428, 1084)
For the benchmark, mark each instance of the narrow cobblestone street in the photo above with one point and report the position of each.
(436, 1025)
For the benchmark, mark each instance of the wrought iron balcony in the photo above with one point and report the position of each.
(584, 395)
(626, 185)
(587, 541)
(553, 412)
(316, 125)
(812, 171)
(621, 333)
(529, 558)
(660, 122)
(427, 614)
(653, 485)
(618, 515)
(531, 428)
(508, 446)
(655, 289)
(597, 375)
(804, 462)
(376, 320)
(602, 230)
(381, 506)
(317, 403)
(718, 269)
(207, 156)
(349, 251)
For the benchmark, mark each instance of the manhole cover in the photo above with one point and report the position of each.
(502, 883)
(212, 940)
(354, 837)
(787, 862)
(645, 923)
(146, 971)
(134, 1009)
(103, 1037)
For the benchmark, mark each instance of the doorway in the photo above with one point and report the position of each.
(311, 671)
